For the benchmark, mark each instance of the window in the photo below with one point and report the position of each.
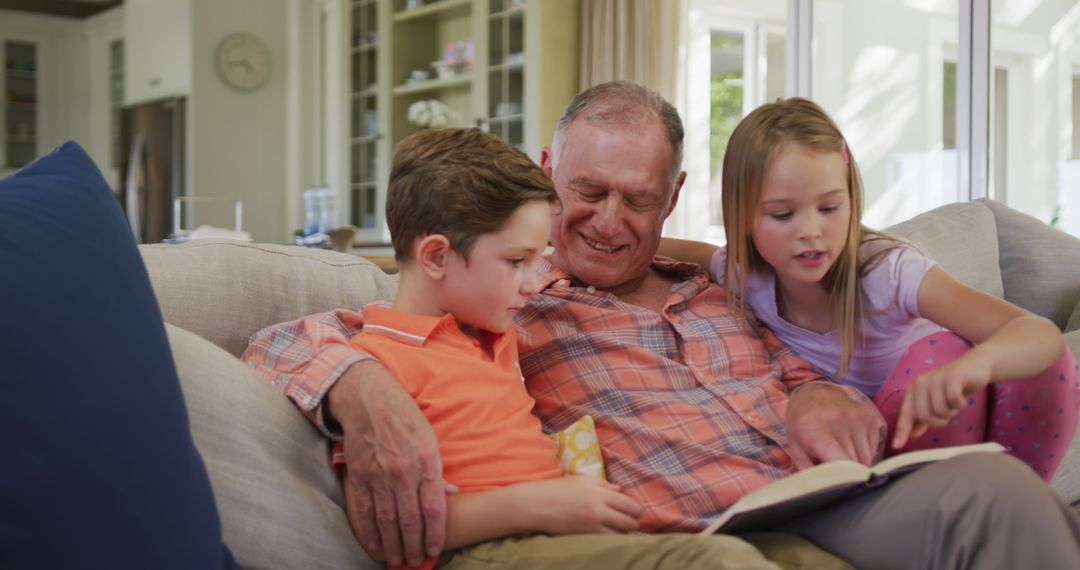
(725, 105)
(948, 106)
(892, 90)
(1033, 128)
(736, 62)
(1075, 114)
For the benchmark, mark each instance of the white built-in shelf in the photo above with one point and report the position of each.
(458, 81)
(435, 11)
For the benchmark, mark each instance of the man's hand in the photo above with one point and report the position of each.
(825, 423)
(938, 395)
(394, 468)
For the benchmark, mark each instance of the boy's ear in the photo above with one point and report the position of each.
(432, 254)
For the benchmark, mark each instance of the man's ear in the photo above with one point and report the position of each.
(675, 193)
(433, 254)
(545, 160)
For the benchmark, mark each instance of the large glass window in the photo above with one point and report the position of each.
(736, 62)
(890, 74)
(1035, 55)
(892, 90)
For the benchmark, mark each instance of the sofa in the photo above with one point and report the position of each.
(280, 506)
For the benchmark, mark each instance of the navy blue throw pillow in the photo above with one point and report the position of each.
(98, 466)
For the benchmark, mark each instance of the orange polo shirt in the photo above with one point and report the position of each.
(477, 404)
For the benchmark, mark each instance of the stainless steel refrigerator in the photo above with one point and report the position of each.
(153, 167)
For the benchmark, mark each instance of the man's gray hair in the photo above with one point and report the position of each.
(621, 103)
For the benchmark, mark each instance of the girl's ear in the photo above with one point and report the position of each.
(432, 255)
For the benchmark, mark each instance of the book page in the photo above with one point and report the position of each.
(819, 477)
(813, 488)
(914, 459)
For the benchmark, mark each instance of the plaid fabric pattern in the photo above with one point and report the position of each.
(689, 402)
(304, 358)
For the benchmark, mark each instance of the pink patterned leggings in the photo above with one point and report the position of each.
(1034, 418)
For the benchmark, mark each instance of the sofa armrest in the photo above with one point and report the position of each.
(280, 503)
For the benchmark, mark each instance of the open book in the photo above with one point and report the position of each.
(821, 485)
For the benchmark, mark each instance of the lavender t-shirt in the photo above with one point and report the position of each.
(891, 319)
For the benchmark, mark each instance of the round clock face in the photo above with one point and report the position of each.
(243, 61)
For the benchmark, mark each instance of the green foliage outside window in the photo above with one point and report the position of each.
(727, 103)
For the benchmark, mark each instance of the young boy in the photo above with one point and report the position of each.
(469, 216)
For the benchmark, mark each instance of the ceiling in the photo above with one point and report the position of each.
(67, 8)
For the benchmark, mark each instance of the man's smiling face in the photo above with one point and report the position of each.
(617, 185)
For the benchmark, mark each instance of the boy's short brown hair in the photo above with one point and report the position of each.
(461, 183)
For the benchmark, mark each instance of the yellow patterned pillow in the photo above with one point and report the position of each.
(579, 450)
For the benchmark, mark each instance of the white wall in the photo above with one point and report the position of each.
(238, 141)
(100, 31)
(305, 109)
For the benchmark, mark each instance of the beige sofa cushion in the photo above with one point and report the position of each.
(1074, 321)
(1066, 481)
(962, 238)
(224, 291)
(1040, 266)
(279, 502)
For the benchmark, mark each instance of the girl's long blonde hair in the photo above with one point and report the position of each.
(752, 148)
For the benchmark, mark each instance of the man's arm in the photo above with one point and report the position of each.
(393, 463)
(825, 421)
(391, 454)
(306, 357)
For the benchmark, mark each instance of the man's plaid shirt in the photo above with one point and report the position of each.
(689, 403)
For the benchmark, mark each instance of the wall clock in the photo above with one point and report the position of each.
(243, 61)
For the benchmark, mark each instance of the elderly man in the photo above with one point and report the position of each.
(695, 405)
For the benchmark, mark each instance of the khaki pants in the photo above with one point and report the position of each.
(984, 511)
(642, 552)
(979, 511)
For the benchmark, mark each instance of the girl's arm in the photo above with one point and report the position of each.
(1010, 343)
(686, 250)
(567, 505)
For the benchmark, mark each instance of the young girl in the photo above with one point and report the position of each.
(871, 311)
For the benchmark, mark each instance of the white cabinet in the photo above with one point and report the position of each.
(157, 47)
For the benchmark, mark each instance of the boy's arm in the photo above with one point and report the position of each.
(566, 505)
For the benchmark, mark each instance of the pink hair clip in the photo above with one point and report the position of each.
(844, 153)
